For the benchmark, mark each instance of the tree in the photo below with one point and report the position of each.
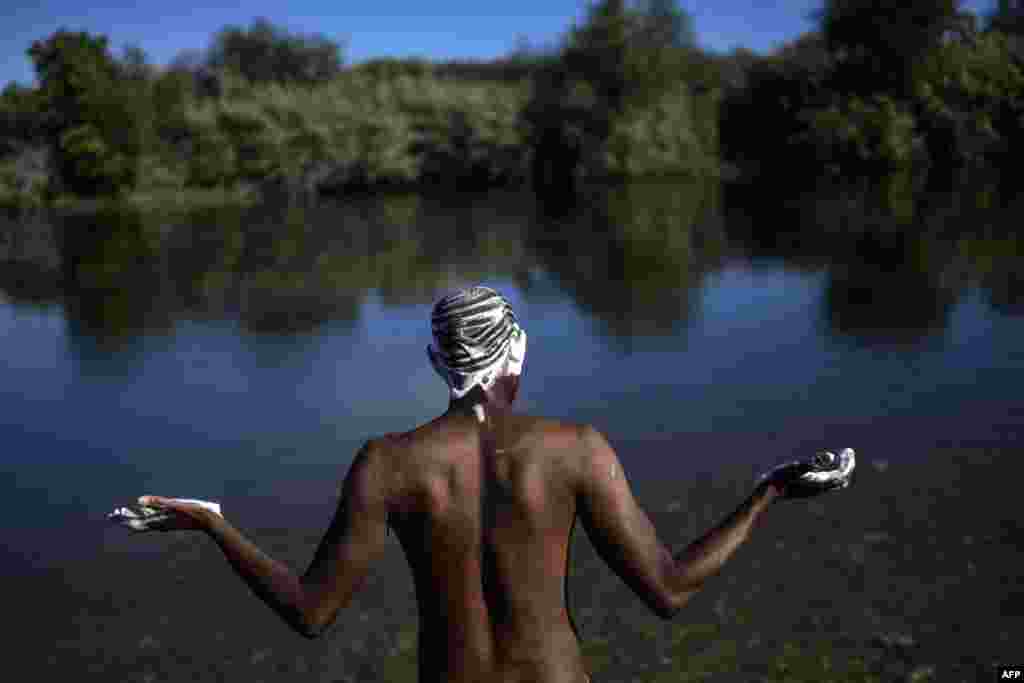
(135, 64)
(631, 54)
(618, 62)
(136, 84)
(1008, 18)
(89, 121)
(596, 52)
(664, 24)
(19, 117)
(73, 70)
(529, 57)
(266, 53)
(189, 61)
(522, 48)
(878, 42)
(734, 68)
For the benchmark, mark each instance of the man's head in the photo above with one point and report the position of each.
(477, 343)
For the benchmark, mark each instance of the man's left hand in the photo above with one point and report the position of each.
(180, 515)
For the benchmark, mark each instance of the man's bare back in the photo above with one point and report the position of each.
(485, 514)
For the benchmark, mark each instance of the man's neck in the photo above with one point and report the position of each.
(481, 410)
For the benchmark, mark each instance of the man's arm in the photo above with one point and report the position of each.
(353, 541)
(274, 582)
(626, 539)
(704, 557)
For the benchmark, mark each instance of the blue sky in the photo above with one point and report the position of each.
(439, 29)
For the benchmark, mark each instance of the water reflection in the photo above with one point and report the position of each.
(31, 260)
(113, 277)
(896, 258)
(252, 342)
(632, 258)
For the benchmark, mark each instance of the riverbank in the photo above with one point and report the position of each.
(273, 192)
(911, 574)
(153, 200)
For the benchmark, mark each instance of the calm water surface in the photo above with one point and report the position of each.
(244, 355)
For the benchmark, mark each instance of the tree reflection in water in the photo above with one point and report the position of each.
(633, 257)
(897, 256)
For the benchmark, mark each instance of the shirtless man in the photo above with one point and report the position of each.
(484, 503)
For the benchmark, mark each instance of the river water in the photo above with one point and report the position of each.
(243, 355)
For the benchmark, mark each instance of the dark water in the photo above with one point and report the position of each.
(243, 355)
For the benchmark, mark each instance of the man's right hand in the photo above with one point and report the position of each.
(826, 472)
(788, 483)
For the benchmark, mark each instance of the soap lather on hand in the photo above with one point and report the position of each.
(150, 517)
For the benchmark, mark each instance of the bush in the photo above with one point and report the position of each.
(388, 68)
(659, 139)
(22, 187)
(254, 138)
(210, 154)
(358, 130)
(20, 114)
(88, 159)
(967, 95)
(760, 120)
(878, 41)
(876, 131)
(946, 94)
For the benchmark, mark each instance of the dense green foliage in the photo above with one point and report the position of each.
(968, 98)
(264, 108)
(625, 92)
(87, 114)
(876, 129)
(883, 86)
(265, 53)
(20, 120)
(24, 162)
(877, 42)
(358, 130)
(629, 95)
(1008, 18)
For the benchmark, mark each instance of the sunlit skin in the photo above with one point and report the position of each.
(484, 510)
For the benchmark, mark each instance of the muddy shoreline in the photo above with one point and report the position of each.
(911, 574)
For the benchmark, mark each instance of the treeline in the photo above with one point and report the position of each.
(264, 108)
(626, 92)
(882, 86)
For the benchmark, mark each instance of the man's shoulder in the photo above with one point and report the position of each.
(523, 420)
(549, 428)
(580, 431)
(427, 437)
(547, 432)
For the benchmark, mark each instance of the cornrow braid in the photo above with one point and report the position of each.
(473, 330)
